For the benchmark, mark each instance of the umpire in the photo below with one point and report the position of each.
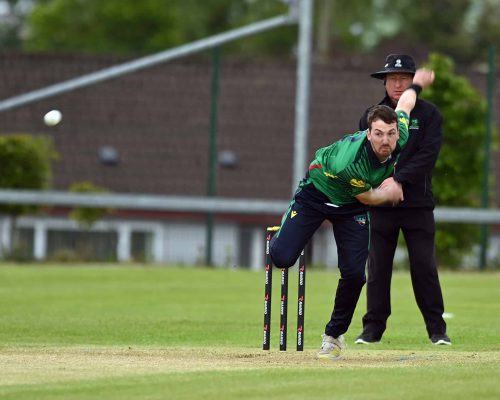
(414, 216)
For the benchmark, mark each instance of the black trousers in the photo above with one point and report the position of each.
(418, 228)
(308, 210)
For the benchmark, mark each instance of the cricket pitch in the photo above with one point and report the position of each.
(34, 365)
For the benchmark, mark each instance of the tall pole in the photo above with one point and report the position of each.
(212, 153)
(485, 203)
(302, 91)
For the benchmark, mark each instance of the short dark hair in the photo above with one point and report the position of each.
(385, 113)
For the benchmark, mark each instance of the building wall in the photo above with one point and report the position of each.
(166, 242)
(158, 121)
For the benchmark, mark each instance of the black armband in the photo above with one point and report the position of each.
(416, 88)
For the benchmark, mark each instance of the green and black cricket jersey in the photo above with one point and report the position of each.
(349, 167)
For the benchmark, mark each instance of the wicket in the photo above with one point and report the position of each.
(283, 298)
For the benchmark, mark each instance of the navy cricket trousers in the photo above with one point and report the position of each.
(307, 211)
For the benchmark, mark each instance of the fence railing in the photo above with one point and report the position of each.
(205, 204)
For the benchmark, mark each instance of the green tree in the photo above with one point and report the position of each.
(457, 176)
(12, 23)
(26, 164)
(460, 29)
(276, 42)
(119, 26)
(484, 24)
(135, 27)
(359, 25)
(87, 216)
(146, 26)
(448, 34)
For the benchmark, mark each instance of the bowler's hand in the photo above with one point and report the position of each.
(423, 77)
(393, 189)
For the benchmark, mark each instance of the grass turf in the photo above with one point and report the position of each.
(183, 333)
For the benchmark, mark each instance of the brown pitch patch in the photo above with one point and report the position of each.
(32, 365)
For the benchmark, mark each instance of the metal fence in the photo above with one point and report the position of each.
(206, 204)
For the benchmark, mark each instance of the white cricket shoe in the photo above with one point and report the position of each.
(331, 347)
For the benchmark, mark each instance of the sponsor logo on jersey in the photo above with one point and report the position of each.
(293, 214)
(414, 124)
(357, 183)
(330, 175)
(360, 219)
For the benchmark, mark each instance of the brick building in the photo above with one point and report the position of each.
(148, 133)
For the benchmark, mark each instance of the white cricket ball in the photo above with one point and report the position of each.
(52, 118)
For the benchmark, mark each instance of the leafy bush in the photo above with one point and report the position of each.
(26, 164)
(87, 216)
(458, 173)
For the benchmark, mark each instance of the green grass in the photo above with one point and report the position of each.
(86, 332)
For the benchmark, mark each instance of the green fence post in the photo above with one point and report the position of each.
(485, 202)
(212, 153)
